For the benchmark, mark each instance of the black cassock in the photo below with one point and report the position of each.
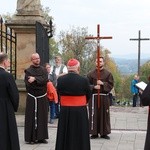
(9, 101)
(73, 128)
(145, 99)
(36, 129)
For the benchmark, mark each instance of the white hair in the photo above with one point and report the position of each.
(74, 68)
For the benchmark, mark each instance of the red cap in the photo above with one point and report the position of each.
(72, 62)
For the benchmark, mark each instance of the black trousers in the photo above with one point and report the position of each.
(135, 99)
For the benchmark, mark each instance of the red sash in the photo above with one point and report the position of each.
(73, 100)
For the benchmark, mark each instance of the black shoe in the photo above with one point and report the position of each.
(42, 141)
(51, 121)
(105, 137)
(57, 117)
(94, 136)
(32, 142)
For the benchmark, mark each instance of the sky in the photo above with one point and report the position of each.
(121, 19)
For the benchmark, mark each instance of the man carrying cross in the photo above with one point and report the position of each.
(101, 82)
(99, 115)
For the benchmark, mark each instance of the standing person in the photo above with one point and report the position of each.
(134, 89)
(51, 75)
(73, 129)
(53, 99)
(36, 113)
(59, 69)
(9, 102)
(145, 100)
(51, 92)
(99, 113)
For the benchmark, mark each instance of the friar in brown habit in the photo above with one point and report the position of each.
(99, 113)
(36, 113)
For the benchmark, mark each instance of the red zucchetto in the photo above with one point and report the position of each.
(73, 64)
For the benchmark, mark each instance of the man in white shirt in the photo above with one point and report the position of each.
(59, 69)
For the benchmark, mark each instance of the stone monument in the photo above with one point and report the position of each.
(28, 7)
(23, 23)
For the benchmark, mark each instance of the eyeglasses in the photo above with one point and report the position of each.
(35, 58)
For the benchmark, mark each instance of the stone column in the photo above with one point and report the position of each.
(23, 23)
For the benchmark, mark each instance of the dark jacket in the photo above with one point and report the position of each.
(73, 129)
(9, 101)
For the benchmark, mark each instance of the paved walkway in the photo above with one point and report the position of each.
(128, 131)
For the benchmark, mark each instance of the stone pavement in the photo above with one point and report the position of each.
(128, 131)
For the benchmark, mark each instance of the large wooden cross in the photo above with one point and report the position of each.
(139, 39)
(98, 38)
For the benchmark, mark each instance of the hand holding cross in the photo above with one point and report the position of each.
(98, 38)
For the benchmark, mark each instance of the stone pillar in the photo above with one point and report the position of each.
(23, 23)
(26, 45)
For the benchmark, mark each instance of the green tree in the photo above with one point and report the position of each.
(126, 87)
(74, 45)
(145, 72)
(46, 11)
(112, 67)
(53, 48)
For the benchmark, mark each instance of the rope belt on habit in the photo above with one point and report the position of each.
(101, 94)
(35, 107)
(92, 115)
(73, 100)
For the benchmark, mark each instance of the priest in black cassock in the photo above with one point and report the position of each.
(145, 100)
(99, 112)
(36, 113)
(73, 127)
(9, 102)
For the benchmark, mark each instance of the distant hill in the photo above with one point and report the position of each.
(128, 66)
(132, 56)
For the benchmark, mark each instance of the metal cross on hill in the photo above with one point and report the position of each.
(98, 38)
(139, 39)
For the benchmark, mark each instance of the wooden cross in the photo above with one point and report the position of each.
(98, 38)
(139, 39)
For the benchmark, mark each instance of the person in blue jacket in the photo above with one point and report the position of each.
(134, 89)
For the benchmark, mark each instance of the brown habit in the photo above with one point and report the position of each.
(37, 88)
(100, 122)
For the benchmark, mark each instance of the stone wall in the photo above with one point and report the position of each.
(22, 96)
